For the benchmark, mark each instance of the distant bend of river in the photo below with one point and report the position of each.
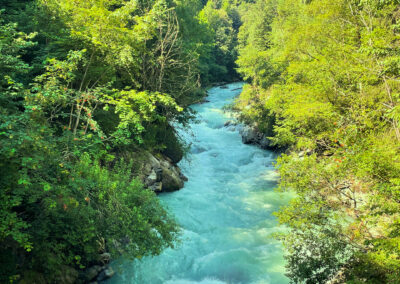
(225, 210)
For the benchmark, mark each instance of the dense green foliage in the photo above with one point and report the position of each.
(324, 84)
(83, 84)
(224, 20)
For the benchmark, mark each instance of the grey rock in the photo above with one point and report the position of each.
(154, 163)
(161, 174)
(157, 187)
(249, 135)
(171, 180)
(151, 178)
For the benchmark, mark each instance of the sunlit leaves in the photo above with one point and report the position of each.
(335, 99)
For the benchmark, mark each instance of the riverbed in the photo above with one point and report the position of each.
(225, 209)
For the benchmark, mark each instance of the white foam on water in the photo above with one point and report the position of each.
(225, 210)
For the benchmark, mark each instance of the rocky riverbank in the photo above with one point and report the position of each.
(250, 134)
(160, 174)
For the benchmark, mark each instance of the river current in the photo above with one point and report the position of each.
(225, 209)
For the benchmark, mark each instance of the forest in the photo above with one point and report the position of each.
(324, 85)
(89, 88)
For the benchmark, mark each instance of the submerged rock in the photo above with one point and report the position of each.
(195, 149)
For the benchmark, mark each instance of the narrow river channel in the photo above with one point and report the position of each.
(225, 210)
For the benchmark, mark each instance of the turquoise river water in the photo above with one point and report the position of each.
(225, 210)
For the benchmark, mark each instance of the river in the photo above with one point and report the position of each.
(225, 210)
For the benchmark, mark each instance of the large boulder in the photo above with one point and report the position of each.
(161, 174)
(171, 176)
(171, 180)
(249, 135)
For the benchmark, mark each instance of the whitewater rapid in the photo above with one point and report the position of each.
(225, 210)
